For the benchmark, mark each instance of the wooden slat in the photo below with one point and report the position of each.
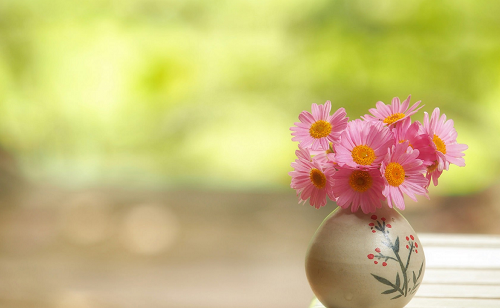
(423, 302)
(459, 291)
(462, 276)
(417, 302)
(459, 240)
(462, 257)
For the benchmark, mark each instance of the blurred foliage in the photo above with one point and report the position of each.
(202, 93)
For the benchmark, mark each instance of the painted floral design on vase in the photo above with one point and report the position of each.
(362, 260)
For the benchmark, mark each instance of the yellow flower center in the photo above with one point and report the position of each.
(441, 147)
(393, 118)
(318, 178)
(432, 167)
(363, 155)
(360, 180)
(394, 174)
(320, 129)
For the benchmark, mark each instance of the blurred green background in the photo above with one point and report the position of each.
(145, 144)
(202, 93)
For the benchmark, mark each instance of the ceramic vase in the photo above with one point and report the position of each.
(358, 260)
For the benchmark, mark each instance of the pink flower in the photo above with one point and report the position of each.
(303, 154)
(390, 114)
(316, 130)
(358, 188)
(406, 131)
(403, 173)
(311, 180)
(433, 174)
(444, 137)
(363, 144)
(323, 156)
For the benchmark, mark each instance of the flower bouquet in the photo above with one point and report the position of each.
(369, 164)
(364, 162)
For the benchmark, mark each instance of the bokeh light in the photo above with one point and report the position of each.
(149, 229)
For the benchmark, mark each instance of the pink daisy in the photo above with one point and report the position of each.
(444, 137)
(324, 156)
(390, 114)
(303, 154)
(326, 159)
(363, 144)
(316, 130)
(406, 131)
(358, 188)
(311, 180)
(433, 174)
(403, 173)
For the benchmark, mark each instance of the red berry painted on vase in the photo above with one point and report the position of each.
(383, 218)
(376, 262)
(374, 231)
(374, 217)
(389, 226)
(411, 236)
(407, 238)
(370, 256)
(416, 245)
(407, 247)
(416, 251)
(377, 249)
(384, 264)
(371, 224)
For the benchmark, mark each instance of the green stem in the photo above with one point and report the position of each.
(409, 255)
(403, 269)
(382, 256)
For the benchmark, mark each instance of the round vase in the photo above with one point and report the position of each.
(358, 260)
